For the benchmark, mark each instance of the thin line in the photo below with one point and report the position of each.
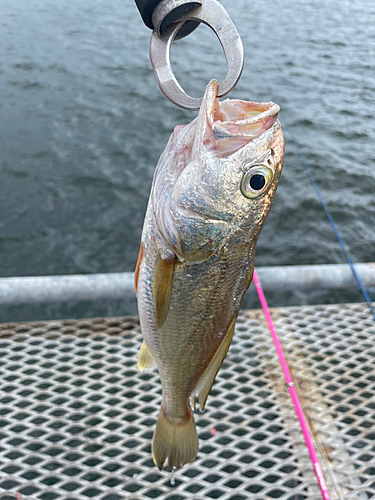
(333, 223)
(293, 393)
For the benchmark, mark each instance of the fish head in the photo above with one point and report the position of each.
(224, 189)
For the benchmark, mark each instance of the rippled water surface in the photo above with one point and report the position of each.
(83, 124)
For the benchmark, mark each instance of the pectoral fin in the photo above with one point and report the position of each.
(137, 267)
(204, 385)
(162, 291)
(145, 359)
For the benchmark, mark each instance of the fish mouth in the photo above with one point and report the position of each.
(234, 123)
(245, 118)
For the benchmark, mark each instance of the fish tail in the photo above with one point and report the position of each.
(177, 442)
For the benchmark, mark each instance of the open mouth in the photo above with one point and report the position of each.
(245, 117)
(234, 123)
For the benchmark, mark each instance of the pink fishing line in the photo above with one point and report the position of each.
(293, 393)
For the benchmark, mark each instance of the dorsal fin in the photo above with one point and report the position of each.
(163, 280)
(137, 267)
(204, 384)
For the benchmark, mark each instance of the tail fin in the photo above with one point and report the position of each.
(176, 442)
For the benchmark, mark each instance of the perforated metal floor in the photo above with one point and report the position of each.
(76, 416)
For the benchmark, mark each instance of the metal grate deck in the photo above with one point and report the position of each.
(76, 416)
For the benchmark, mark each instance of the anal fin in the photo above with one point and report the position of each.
(204, 384)
(145, 359)
(163, 280)
(250, 276)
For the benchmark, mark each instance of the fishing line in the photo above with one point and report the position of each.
(293, 393)
(318, 440)
(332, 222)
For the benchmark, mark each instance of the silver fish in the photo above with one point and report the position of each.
(212, 190)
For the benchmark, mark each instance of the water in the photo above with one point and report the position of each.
(83, 124)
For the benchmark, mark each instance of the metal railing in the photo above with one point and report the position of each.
(92, 287)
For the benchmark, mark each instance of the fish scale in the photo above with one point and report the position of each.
(203, 220)
(209, 309)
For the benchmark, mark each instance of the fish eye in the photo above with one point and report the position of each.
(256, 181)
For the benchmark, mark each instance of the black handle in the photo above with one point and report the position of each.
(146, 8)
(172, 11)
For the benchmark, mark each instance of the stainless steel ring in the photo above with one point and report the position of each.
(168, 12)
(215, 16)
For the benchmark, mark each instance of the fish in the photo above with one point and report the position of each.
(212, 190)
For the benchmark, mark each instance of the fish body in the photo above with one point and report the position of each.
(212, 190)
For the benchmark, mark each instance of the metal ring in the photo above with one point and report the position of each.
(216, 17)
(168, 12)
